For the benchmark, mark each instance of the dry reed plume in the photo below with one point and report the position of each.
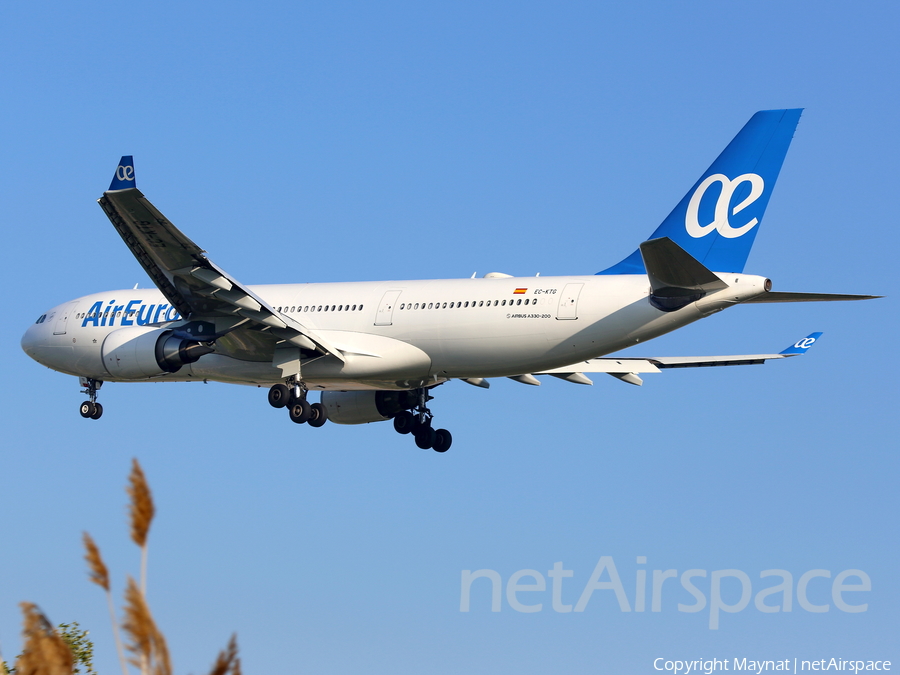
(142, 511)
(147, 643)
(44, 652)
(100, 576)
(99, 573)
(228, 661)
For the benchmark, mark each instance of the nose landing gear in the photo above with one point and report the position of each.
(90, 409)
(418, 423)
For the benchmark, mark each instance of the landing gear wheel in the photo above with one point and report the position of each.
(317, 415)
(279, 395)
(425, 437)
(87, 409)
(442, 440)
(299, 411)
(98, 410)
(404, 422)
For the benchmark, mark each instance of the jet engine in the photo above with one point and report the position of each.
(362, 407)
(140, 352)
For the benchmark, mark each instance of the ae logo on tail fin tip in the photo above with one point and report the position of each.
(721, 221)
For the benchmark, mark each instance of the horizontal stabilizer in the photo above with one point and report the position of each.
(677, 279)
(808, 297)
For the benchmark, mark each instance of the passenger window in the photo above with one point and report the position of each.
(519, 301)
(360, 308)
(354, 308)
(445, 306)
(429, 305)
(402, 306)
(503, 304)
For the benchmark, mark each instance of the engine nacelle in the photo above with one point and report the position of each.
(139, 352)
(362, 407)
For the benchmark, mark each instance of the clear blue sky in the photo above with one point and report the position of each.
(356, 141)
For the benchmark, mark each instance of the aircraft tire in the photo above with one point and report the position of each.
(279, 395)
(299, 411)
(404, 422)
(425, 437)
(443, 439)
(86, 409)
(317, 415)
(98, 411)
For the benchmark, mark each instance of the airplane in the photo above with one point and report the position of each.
(377, 350)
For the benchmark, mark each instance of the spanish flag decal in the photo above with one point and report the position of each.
(520, 291)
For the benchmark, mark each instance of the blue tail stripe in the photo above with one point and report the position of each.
(717, 220)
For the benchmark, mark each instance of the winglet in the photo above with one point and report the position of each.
(124, 176)
(801, 346)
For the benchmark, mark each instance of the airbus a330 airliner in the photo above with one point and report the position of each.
(377, 350)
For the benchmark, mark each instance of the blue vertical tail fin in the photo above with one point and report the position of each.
(717, 220)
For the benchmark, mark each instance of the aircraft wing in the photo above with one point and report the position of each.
(627, 369)
(194, 285)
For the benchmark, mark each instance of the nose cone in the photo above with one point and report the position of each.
(31, 341)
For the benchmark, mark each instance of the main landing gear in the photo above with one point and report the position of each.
(90, 409)
(299, 409)
(418, 423)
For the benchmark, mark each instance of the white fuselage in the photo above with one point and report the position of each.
(399, 334)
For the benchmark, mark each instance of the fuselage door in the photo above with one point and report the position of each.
(62, 320)
(385, 314)
(568, 302)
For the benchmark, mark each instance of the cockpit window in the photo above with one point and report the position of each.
(41, 318)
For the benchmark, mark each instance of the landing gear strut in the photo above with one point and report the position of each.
(418, 423)
(293, 397)
(90, 409)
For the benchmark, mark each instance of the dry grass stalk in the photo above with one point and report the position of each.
(228, 661)
(43, 651)
(100, 576)
(147, 642)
